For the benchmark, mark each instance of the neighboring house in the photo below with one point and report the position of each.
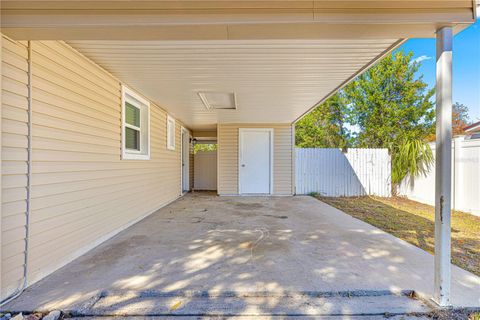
(473, 131)
(99, 108)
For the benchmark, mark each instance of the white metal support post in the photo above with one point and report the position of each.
(443, 166)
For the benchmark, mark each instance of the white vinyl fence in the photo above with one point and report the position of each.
(330, 172)
(465, 179)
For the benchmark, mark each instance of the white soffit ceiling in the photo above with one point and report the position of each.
(274, 81)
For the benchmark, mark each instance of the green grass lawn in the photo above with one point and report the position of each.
(414, 223)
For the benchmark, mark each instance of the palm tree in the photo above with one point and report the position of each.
(413, 158)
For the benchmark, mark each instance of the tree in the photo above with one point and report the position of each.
(393, 109)
(390, 107)
(460, 118)
(323, 127)
(413, 158)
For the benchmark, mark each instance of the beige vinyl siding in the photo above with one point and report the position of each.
(82, 192)
(14, 162)
(228, 157)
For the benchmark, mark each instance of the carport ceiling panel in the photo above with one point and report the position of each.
(273, 81)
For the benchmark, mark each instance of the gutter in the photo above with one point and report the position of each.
(473, 127)
(24, 285)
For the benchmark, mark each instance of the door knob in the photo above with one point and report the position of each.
(243, 165)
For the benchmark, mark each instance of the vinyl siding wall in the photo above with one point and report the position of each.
(228, 157)
(82, 192)
(14, 162)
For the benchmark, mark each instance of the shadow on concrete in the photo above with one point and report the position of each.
(203, 244)
(416, 229)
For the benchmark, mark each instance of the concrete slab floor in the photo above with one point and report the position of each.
(202, 242)
(400, 317)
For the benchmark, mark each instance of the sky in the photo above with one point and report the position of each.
(466, 66)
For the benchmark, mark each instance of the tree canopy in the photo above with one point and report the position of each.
(389, 104)
(204, 147)
(324, 126)
(460, 118)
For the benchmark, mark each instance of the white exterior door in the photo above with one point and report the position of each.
(185, 160)
(255, 165)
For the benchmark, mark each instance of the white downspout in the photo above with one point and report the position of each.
(20, 290)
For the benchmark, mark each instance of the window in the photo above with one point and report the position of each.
(135, 126)
(170, 133)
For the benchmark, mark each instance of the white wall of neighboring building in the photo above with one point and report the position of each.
(465, 179)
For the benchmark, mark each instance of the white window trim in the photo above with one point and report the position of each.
(135, 154)
(172, 120)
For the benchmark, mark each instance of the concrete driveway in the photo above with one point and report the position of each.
(244, 246)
